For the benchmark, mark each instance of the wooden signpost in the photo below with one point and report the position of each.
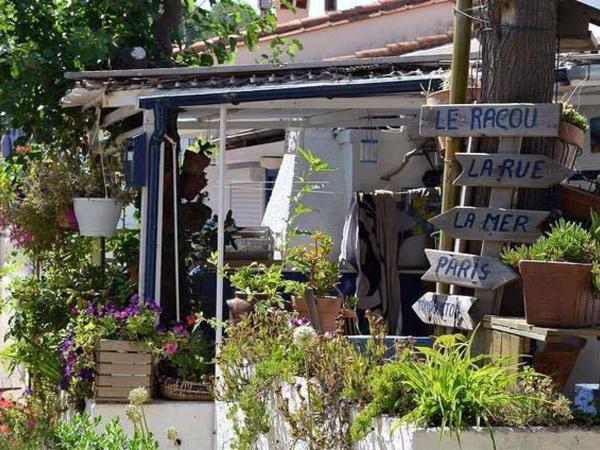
(498, 170)
(494, 120)
(497, 224)
(467, 270)
(445, 310)
(492, 224)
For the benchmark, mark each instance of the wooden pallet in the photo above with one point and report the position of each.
(120, 367)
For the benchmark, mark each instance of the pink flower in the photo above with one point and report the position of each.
(171, 347)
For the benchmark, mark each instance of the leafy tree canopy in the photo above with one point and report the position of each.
(40, 40)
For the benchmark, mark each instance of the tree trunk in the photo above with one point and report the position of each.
(170, 18)
(518, 39)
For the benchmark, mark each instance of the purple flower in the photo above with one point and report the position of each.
(161, 327)
(90, 309)
(27, 392)
(178, 328)
(294, 323)
(74, 309)
(152, 306)
(86, 373)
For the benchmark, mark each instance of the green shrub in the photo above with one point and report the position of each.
(448, 387)
(567, 242)
(570, 115)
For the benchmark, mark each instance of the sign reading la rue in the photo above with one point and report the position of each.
(467, 270)
(492, 224)
(513, 119)
(501, 170)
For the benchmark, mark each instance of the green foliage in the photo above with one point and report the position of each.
(570, 115)
(257, 353)
(311, 261)
(567, 242)
(125, 245)
(449, 387)
(544, 407)
(27, 423)
(83, 433)
(186, 352)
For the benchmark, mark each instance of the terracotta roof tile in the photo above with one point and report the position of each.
(336, 18)
(399, 48)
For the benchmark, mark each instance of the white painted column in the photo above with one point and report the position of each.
(148, 127)
(159, 224)
(221, 222)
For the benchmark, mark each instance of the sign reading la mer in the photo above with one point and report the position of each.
(492, 224)
(467, 270)
(498, 119)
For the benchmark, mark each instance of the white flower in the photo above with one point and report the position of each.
(138, 396)
(172, 434)
(134, 413)
(303, 336)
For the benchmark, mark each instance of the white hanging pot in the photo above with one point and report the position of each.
(97, 216)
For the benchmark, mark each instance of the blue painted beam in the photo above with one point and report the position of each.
(363, 88)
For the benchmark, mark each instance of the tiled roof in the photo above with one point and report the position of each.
(336, 18)
(400, 48)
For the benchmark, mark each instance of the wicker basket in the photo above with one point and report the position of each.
(178, 389)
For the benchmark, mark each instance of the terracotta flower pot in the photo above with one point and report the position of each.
(569, 144)
(68, 220)
(558, 359)
(134, 272)
(443, 98)
(328, 307)
(239, 306)
(558, 294)
(576, 203)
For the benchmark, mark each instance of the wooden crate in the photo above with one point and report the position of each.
(120, 367)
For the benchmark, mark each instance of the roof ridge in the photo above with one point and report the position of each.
(333, 18)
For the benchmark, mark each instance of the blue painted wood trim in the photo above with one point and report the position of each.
(160, 120)
(261, 93)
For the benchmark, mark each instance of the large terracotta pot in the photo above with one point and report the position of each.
(240, 306)
(442, 98)
(328, 308)
(558, 294)
(576, 203)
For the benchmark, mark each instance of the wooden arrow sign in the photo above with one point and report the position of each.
(445, 310)
(491, 224)
(502, 170)
(467, 270)
(509, 120)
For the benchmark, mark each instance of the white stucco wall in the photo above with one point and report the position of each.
(193, 420)
(363, 34)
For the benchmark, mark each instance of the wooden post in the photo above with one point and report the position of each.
(458, 93)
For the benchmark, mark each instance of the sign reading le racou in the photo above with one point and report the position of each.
(514, 119)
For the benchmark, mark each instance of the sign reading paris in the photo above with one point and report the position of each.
(513, 119)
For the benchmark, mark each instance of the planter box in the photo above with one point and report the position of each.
(385, 436)
(558, 294)
(120, 367)
(576, 203)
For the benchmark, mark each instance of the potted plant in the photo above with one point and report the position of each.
(322, 276)
(256, 285)
(560, 273)
(185, 364)
(102, 194)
